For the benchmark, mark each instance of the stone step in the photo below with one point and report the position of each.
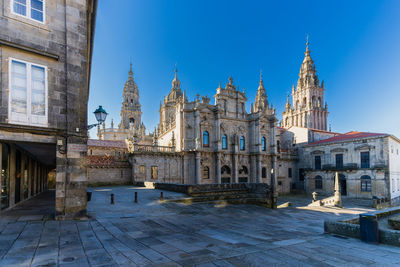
(219, 192)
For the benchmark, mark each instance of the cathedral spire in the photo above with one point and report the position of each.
(176, 84)
(261, 102)
(130, 69)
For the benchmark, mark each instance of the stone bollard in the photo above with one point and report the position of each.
(112, 199)
(162, 196)
(135, 197)
(314, 196)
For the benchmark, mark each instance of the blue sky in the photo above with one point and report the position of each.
(355, 46)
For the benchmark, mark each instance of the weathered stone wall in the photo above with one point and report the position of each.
(109, 176)
(62, 44)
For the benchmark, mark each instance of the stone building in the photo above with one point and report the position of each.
(308, 108)
(131, 115)
(368, 165)
(197, 142)
(45, 58)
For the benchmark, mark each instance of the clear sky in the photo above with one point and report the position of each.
(355, 46)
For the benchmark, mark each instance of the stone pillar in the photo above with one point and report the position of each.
(198, 171)
(258, 169)
(1, 162)
(22, 179)
(337, 196)
(235, 166)
(218, 168)
(12, 175)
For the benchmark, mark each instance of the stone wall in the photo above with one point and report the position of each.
(63, 45)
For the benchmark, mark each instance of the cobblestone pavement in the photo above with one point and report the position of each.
(171, 234)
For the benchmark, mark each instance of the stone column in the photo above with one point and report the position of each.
(1, 162)
(235, 171)
(258, 169)
(337, 196)
(218, 168)
(198, 171)
(12, 175)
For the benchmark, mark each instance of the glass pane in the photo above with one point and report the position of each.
(37, 15)
(18, 87)
(37, 4)
(38, 104)
(20, 7)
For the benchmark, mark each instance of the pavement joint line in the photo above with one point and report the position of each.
(83, 248)
(37, 245)
(94, 232)
(14, 242)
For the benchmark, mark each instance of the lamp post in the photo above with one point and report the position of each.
(100, 115)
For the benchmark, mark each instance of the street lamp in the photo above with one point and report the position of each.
(100, 115)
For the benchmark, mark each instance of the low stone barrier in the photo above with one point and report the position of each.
(351, 227)
(241, 193)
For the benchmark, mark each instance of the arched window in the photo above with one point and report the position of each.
(225, 170)
(243, 170)
(224, 141)
(365, 183)
(206, 141)
(264, 172)
(318, 182)
(242, 143)
(131, 121)
(263, 144)
(206, 172)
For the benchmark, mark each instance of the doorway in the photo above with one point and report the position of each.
(343, 185)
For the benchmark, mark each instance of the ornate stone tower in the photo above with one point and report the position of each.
(308, 97)
(261, 103)
(131, 114)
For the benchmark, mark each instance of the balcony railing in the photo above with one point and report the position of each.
(151, 148)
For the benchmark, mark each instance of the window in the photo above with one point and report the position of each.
(365, 183)
(206, 172)
(242, 143)
(339, 161)
(318, 182)
(278, 145)
(225, 170)
(154, 172)
(290, 172)
(206, 141)
(32, 9)
(28, 94)
(264, 172)
(224, 141)
(317, 162)
(141, 169)
(243, 170)
(263, 144)
(364, 159)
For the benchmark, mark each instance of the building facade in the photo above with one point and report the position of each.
(45, 58)
(308, 109)
(368, 165)
(197, 142)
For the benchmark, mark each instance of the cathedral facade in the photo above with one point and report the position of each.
(198, 142)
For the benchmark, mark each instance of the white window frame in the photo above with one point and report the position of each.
(28, 119)
(28, 11)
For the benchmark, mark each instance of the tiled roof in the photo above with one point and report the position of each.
(348, 136)
(106, 143)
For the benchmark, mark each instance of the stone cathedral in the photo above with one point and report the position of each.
(199, 142)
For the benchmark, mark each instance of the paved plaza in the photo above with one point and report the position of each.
(172, 234)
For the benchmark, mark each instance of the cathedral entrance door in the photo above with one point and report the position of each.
(343, 184)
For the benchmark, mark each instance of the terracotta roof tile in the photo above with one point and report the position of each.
(106, 143)
(347, 136)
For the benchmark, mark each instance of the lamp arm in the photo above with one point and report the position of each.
(92, 125)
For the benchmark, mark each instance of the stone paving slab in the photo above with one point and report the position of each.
(152, 233)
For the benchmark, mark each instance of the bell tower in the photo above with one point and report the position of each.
(308, 108)
(131, 113)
